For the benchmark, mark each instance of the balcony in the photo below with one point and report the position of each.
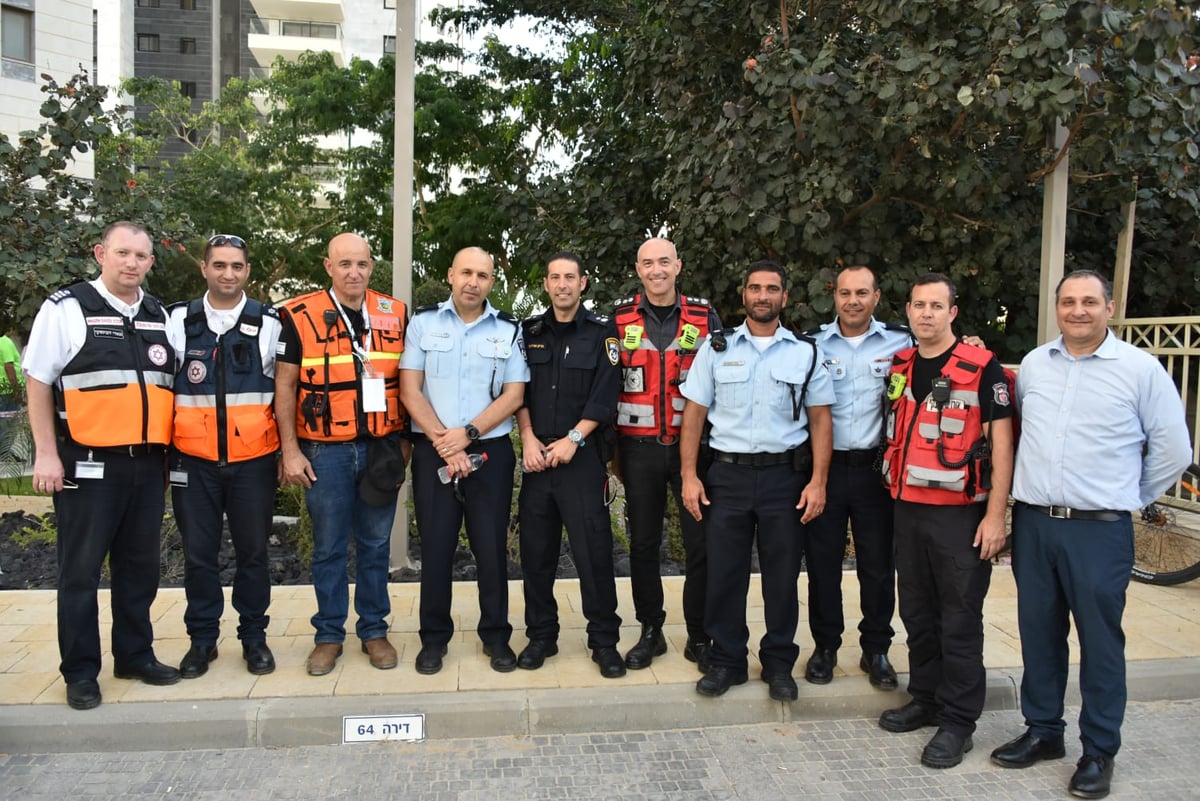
(289, 38)
(316, 10)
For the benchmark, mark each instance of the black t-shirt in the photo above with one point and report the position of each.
(994, 400)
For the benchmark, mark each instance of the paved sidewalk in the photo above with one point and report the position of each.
(831, 760)
(228, 707)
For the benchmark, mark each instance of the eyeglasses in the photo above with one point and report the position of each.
(226, 240)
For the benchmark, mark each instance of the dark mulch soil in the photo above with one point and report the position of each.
(34, 564)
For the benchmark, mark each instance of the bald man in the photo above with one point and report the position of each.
(462, 377)
(337, 403)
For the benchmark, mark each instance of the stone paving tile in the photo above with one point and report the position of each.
(839, 760)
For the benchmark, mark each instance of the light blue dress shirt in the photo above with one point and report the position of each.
(1084, 423)
(750, 394)
(466, 365)
(859, 377)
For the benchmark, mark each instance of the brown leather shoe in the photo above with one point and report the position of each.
(323, 658)
(381, 653)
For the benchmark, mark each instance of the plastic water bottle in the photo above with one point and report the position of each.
(477, 460)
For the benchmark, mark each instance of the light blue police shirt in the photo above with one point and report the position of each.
(1084, 423)
(750, 394)
(466, 365)
(859, 380)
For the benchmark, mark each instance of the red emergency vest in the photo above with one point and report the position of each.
(328, 403)
(650, 404)
(935, 455)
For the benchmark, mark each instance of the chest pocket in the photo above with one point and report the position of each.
(880, 368)
(438, 361)
(494, 357)
(539, 356)
(732, 384)
(789, 386)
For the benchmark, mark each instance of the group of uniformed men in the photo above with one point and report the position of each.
(769, 441)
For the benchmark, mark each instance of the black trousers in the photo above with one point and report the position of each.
(486, 497)
(752, 505)
(244, 493)
(942, 583)
(571, 495)
(856, 495)
(649, 468)
(118, 516)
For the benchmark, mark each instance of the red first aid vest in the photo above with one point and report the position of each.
(649, 404)
(935, 455)
(328, 403)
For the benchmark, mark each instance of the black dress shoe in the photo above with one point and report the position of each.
(909, 717)
(612, 666)
(651, 644)
(534, 655)
(719, 679)
(946, 749)
(429, 659)
(195, 661)
(84, 694)
(259, 659)
(1093, 777)
(503, 658)
(819, 669)
(781, 686)
(1027, 750)
(879, 671)
(152, 672)
(697, 651)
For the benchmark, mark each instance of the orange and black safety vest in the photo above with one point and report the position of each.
(936, 449)
(117, 390)
(329, 404)
(650, 404)
(223, 402)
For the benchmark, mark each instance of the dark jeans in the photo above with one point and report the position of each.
(854, 494)
(648, 469)
(571, 495)
(1079, 569)
(486, 496)
(119, 516)
(754, 505)
(942, 583)
(243, 492)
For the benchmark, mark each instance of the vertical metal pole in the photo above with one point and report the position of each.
(402, 227)
(1054, 238)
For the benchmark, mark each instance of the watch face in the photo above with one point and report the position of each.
(472, 432)
(574, 436)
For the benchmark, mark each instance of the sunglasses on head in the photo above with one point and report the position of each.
(226, 240)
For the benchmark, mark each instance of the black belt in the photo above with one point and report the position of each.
(672, 439)
(860, 458)
(123, 450)
(1067, 513)
(754, 459)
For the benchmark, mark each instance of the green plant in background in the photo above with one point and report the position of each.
(39, 528)
(289, 502)
(16, 453)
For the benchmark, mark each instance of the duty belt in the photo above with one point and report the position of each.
(1067, 513)
(754, 459)
(859, 458)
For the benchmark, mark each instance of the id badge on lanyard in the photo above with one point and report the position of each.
(374, 398)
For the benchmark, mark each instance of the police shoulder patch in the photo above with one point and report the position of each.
(1000, 393)
(613, 350)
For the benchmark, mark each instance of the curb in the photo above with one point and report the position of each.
(286, 722)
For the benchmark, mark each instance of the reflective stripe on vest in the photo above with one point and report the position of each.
(913, 469)
(329, 399)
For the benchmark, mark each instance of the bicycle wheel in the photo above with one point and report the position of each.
(1166, 539)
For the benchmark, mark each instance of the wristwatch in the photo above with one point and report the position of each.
(472, 431)
(576, 437)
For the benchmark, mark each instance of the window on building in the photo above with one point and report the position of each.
(187, 88)
(187, 46)
(147, 3)
(389, 45)
(187, 5)
(315, 30)
(389, 3)
(16, 25)
(147, 42)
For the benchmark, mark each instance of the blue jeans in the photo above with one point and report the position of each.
(338, 513)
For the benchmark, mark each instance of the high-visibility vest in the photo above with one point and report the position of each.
(650, 404)
(223, 401)
(935, 453)
(329, 403)
(117, 390)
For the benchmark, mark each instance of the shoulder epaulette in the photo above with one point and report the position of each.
(812, 332)
(60, 295)
(898, 327)
(179, 304)
(507, 317)
(270, 311)
(425, 308)
(695, 301)
(598, 319)
(806, 338)
(625, 302)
